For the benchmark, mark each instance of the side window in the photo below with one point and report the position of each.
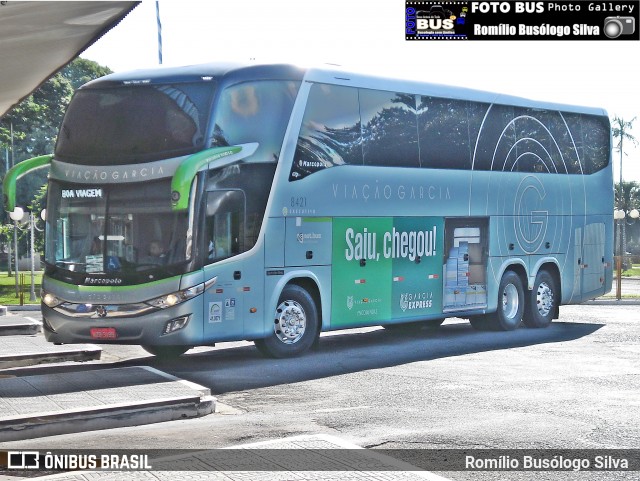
(448, 130)
(224, 225)
(255, 112)
(331, 132)
(535, 148)
(495, 140)
(389, 129)
(592, 138)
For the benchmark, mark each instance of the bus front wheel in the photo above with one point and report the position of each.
(295, 325)
(543, 301)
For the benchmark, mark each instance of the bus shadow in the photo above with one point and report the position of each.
(242, 368)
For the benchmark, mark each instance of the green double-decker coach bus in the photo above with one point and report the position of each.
(189, 206)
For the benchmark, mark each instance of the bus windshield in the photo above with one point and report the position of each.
(138, 123)
(114, 229)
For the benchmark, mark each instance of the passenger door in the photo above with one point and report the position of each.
(224, 234)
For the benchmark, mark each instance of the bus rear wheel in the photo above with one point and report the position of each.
(542, 303)
(295, 325)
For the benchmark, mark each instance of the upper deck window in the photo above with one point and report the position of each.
(331, 133)
(255, 111)
(351, 126)
(133, 124)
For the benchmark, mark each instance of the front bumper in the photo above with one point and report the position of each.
(145, 329)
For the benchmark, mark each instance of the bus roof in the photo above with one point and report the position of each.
(329, 74)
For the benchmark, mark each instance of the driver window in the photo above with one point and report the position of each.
(224, 225)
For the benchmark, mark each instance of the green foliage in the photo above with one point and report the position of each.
(81, 71)
(620, 130)
(7, 287)
(627, 196)
(36, 120)
(34, 123)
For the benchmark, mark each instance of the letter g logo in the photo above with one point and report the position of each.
(532, 219)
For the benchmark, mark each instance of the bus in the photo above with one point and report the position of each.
(221, 202)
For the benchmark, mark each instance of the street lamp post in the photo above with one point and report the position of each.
(32, 292)
(18, 215)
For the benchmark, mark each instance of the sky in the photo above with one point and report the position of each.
(369, 36)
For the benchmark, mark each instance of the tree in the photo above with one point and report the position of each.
(620, 130)
(628, 196)
(31, 128)
(627, 199)
(81, 71)
(36, 120)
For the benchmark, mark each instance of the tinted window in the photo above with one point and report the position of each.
(515, 139)
(448, 130)
(390, 130)
(495, 139)
(592, 138)
(330, 133)
(255, 112)
(134, 123)
(254, 180)
(224, 226)
(534, 148)
(444, 134)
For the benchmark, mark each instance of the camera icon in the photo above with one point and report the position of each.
(616, 26)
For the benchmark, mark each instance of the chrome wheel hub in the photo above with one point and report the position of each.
(290, 322)
(510, 301)
(544, 299)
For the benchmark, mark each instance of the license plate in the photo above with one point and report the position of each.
(104, 333)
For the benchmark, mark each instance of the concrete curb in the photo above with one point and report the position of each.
(87, 353)
(603, 301)
(126, 403)
(26, 307)
(22, 345)
(19, 326)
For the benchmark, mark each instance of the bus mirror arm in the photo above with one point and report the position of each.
(216, 157)
(17, 171)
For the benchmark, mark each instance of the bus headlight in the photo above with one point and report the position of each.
(50, 300)
(175, 298)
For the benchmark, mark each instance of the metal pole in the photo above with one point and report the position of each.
(12, 153)
(9, 261)
(15, 253)
(159, 32)
(621, 207)
(32, 221)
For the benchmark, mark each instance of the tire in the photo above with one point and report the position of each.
(295, 326)
(510, 305)
(166, 352)
(542, 302)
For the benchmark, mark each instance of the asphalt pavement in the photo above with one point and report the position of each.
(38, 402)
